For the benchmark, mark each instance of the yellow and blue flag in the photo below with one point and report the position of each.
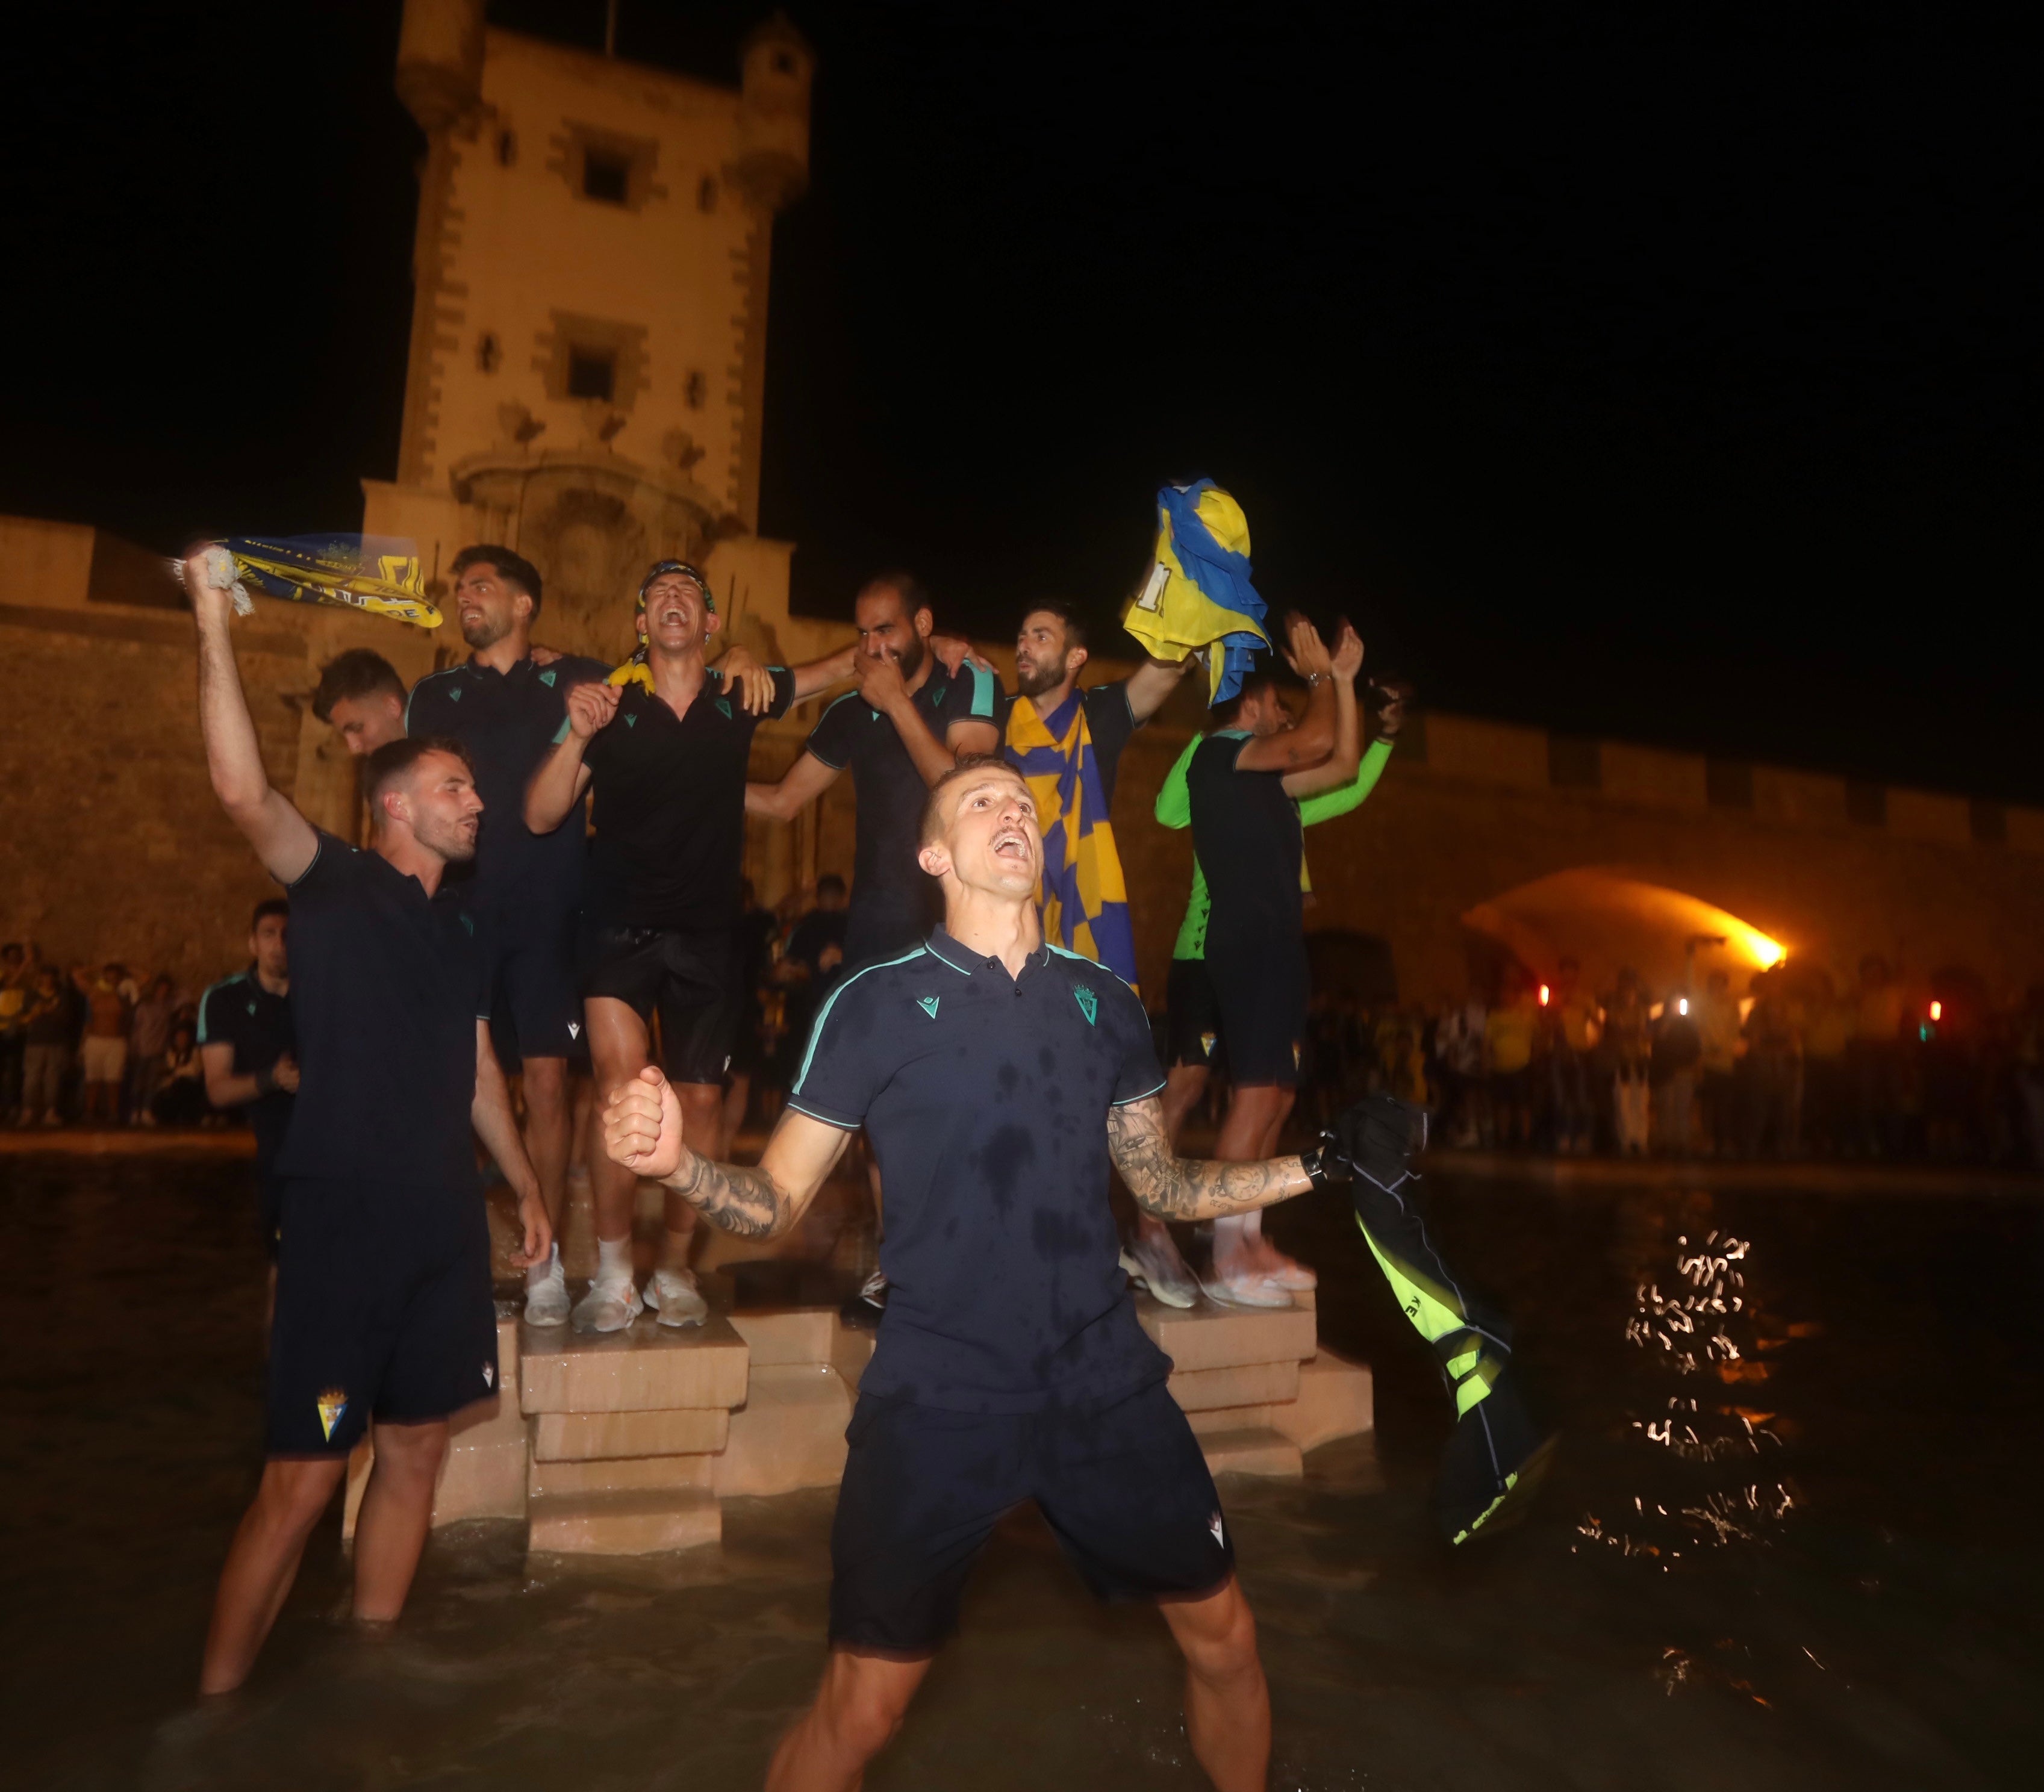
(1198, 594)
(372, 572)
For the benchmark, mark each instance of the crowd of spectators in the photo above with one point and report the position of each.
(1887, 1068)
(99, 1048)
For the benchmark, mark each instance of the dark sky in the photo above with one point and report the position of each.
(1674, 376)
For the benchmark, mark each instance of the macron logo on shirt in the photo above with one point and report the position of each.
(928, 1004)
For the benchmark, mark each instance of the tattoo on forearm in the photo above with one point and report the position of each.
(1175, 1187)
(747, 1202)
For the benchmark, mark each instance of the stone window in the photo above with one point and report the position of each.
(592, 373)
(605, 168)
(599, 360)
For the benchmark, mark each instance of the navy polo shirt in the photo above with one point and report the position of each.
(522, 881)
(669, 812)
(985, 1099)
(386, 986)
(239, 1011)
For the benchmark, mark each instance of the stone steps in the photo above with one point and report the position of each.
(624, 1445)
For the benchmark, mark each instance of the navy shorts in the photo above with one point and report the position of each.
(1262, 989)
(1123, 1488)
(535, 996)
(1194, 1012)
(383, 1310)
(690, 980)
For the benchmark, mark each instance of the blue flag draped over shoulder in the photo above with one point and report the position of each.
(1198, 592)
(372, 572)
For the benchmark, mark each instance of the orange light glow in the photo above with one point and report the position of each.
(1544, 993)
(1937, 1011)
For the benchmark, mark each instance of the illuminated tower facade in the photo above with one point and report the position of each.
(587, 364)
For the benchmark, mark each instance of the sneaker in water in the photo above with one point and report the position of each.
(1159, 1268)
(547, 1300)
(673, 1294)
(608, 1307)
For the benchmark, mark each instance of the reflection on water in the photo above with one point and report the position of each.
(1790, 1543)
(1688, 1332)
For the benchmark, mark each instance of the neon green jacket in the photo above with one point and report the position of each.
(1174, 809)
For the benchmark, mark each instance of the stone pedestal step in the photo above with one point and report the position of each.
(635, 1474)
(1255, 1451)
(1207, 1337)
(591, 1436)
(646, 1368)
(776, 1335)
(632, 1522)
(1246, 1384)
(1336, 1399)
(789, 1434)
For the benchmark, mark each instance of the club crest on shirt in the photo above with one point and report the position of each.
(1089, 1003)
(1207, 1044)
(548, 677)
(332, 1404)
(928, 1004)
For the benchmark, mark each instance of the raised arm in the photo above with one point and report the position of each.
(800, 786)
(642, 1130)
(1151, 683)
(741, 672)
(558, 785)
(1294, 750)
(1175, 1187)
(283, 839)
(1339, 766)
(490, 1113)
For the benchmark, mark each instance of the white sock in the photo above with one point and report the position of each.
(613, 1259)
(1252, 1226)
(543, 1272)
(1227, 1240)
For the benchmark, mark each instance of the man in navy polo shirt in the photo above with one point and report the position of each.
(911, 719)
(250, 1054)
(506, 708)
(997, 1076)
(665, 750)
(383, 1299)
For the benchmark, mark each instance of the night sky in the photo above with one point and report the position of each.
(1672, 379)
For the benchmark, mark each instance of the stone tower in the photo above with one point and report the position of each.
(587, 364)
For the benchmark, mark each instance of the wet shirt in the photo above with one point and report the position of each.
(1246, 831)
(670, 809)
(239, 1011)
(508, 722)
(1109, 723)
(985, 1099)
(387, 985)
(890, 790)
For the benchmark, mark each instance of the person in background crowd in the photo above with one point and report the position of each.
(249, 1049)
(148, 1034)
(1573, 1032)
(1459, 1038)
(1718, 1034)
(1773, 1068)
(17, 984)
(103, 1054)
(1678, 1049)
(180, 1096)
(1825, 1025)
(1874, 1057)
(808, 966)
(754, 938)
(1629, 1053)
(46, 1031)
(1508, 1032)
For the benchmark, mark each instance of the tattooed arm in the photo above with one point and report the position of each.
(642, 1130)
(1175, 1187)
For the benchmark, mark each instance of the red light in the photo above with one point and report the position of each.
(1937, 1011)
(1544, 993)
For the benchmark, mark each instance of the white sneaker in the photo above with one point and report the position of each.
(1290, 1274)
(673, 1294)
(547, 1300)
(1246, 1290)
(608, 1307)
(1161, 1271)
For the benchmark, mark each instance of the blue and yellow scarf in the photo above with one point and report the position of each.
(1085, 901)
